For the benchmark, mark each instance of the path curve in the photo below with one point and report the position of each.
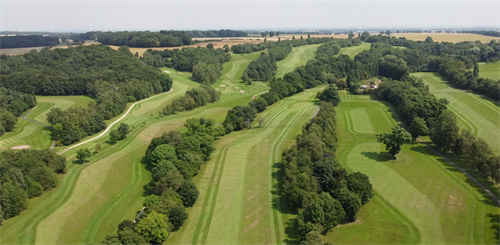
(115, 122)
(449, 161)
(39, 123)
(253, 97)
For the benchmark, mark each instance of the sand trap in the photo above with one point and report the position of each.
(167, 71)
(20, 147)
(222, 85)
(216, 89)
(237, 87)
(241, 91)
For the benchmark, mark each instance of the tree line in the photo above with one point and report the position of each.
(322, 191)
(111, 77)
(490, 33)
(427, 115)
(174, 159)
(12, 105)
(204, 63)
(215, 33)
(142, 39)
(26, 174)
(193, 98)
(28, 41)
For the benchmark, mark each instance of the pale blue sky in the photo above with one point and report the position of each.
(153, 15)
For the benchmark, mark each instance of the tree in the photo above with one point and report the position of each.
(129, 236)
(123, 129)
(189, 193)
(114, 136)
(112, 240)
(57, 129)
(177, 215)
(83, 153)
(388, 32)
(330, 94)
(1, 214)
(313, 238)
(162, 152)
(97, 148)
(393, 141)
(210, 46)
(271, 34)
(278, 33)
(476, 71)
(153, 228)
(445, 131)
(351, 35)
(226, 48)
(261, 121)
(418, 127)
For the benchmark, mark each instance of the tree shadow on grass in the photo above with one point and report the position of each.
(495, 219)
(378, 156)
(79, 162)
(147, 187)
(282, 207)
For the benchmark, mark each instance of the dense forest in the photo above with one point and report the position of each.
(12, 105)
(314, 183)
(27, 41)
(204, 63)
(220, 33)
(174, 159)
(483, 32)
(25, 174)
(111, 77)
(142, 39)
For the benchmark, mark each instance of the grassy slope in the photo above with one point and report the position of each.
(354, 50)
(94, 197)
(299, 56)
(418, 198)
(28, 133)
(480, 116)
(490, 70)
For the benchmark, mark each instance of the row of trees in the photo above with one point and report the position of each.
(220, 33)
(314, 183)
(174, 159)
(427, 115)
(482, 32)
(27, 41)
(12, 105)
(204, 63)
(193, 98)
(25, 174)
(143, 39)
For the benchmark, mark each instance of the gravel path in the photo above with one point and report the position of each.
(449, 161)
(115, 122)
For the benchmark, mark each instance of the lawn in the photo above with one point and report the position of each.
(490, 70)
(354, 50)
(34, 135)
(474, 113)
(109, 188)
(445, 37)
(418, 197)
(237, 187)
(298, 57)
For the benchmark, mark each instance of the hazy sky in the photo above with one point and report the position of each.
(81, 15)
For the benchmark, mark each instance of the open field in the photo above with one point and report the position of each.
(35, 135)
(109, 188)
(418, 198)
(474, 113)
(237, 186)
(490, 70)
(299, 56)
(354, 50)
(446, 37)
(16, 51)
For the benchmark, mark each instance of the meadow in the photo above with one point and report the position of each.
(474, 113)
(354, 50)
(419, 198)
(299, 56)
(446, 37)
(109, 188)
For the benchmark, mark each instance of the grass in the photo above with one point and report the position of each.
(354, 50)
(474, 113)
(446, 37)
(37, 136)
(490, 70)
(418, 197)
(298, 57)
(92, 198)
(237, 188)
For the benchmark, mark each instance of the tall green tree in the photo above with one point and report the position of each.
(83, 153)
(124, 130)
(445, 131)
(153, 228)
(114, 136)
(418, 127)
(330, 94)
(393, 141)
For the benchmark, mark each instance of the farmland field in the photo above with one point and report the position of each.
(474, 113)
(418, 198)
(109, 188)
(299, 56)
(446, 37)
